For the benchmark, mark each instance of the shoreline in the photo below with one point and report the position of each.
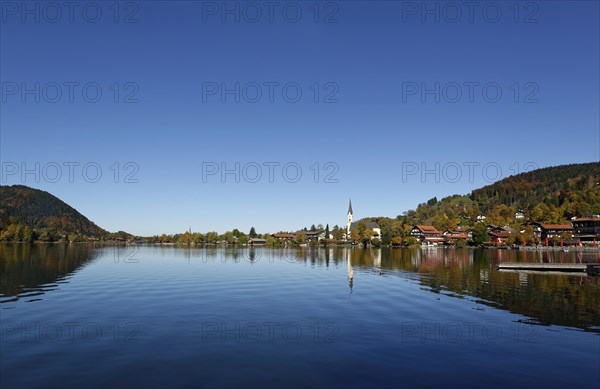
(216, 245)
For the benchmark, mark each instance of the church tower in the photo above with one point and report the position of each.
(350, 218)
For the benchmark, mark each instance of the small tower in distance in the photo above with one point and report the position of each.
(350, 218)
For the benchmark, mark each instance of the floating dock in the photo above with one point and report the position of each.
(589, 268)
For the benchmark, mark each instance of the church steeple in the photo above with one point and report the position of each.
(350, 219)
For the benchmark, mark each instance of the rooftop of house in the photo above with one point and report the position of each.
(557, 226)
(284, 235)
(311, 233)
(494, 228)
(427, 229)
(368, 224)
(461, 235)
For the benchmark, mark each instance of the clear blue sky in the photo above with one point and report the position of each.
(369, 62)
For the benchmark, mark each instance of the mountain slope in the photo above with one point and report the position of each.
(548, 195)
(42, 213)
(572, 190)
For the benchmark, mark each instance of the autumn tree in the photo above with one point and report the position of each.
(212, 237)
(300, 237)
(368, 234)
(355, 236)
(480, 234)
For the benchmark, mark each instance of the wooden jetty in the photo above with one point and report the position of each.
(589, 268)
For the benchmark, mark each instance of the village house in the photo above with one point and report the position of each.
(452, 236)
(284, 236)
(256, 242)
(498, 229)
(499, 235)
(313, 235)
(586, 229)
(548, 231)
(427, 234)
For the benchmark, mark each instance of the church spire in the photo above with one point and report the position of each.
(350, 219)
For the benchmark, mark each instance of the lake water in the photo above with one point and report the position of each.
(78, 316)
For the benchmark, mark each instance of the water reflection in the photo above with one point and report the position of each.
(350, 271)
(560, 299)
(29, 271)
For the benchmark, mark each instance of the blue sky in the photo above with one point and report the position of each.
(387, 89)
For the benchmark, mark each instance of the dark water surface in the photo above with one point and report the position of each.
(80, 316)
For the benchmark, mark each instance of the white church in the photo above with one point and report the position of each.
(352, 224)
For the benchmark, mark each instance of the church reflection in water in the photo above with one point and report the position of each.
(561, 299)
(28, 272)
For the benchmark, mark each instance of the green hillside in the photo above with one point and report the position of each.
(28, 214)
(550, 195)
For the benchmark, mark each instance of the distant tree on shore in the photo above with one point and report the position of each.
(300, 237)
(337, 232)
(355, 236)
(367, 236)
(480, 234)
(212, 237)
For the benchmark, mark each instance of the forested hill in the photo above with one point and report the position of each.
(564, 191)
(551, 195)
(28, 214)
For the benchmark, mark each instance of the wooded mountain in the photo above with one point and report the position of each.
(548, 195)
(556, 192)
(27, 214)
